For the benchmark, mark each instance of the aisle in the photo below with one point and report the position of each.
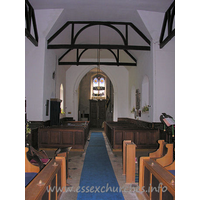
(98, 180)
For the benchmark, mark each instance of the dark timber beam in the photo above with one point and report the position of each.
(167, 24)
(94, 23)
(124, 35)
(97, 63)
(97, 46)
(115, 55)
(30, 17)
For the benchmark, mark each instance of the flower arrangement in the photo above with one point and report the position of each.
(133, 110)
(62, 111)
(145, 109)
(28, 129)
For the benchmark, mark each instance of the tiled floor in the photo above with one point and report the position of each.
(76, 160)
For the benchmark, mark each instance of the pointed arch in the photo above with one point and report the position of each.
(76, 86)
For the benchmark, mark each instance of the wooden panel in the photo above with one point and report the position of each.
(130, 162)
(55, 137)
(54, 193)
(63, 136)
(44, 137)
(155, 189)
(79, 137)
(59, 185)
(166, 195)
(159, 175)
(97, 113)
(93, 113)
(137, 137)
(67, 137)
(146, 180)
(129, 135)
(143, 137)
(101, 114)
(46, 195)
(118, 137)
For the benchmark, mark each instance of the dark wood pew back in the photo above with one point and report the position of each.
(74, 135)
(143, 137)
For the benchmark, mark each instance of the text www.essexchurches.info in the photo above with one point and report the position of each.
(107, 188)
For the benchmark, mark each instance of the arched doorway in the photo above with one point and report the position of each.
(96, 98)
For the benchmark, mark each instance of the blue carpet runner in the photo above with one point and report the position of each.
(98, 180)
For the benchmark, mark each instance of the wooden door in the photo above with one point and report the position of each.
(97, 113)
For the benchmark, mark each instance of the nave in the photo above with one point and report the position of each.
(76, 161)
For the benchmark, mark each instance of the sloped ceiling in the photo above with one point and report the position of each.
(104, 10)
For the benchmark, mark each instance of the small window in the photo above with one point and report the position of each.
(98, 86)
(62, 98)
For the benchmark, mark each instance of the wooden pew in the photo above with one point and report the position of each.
(164, 161)
(49, 178)
(143, 137)
(171, 166)
(72, 134)
(52, 176)
(30, 170)
(167, 159)
(159, 152)
(158, 182)
(28, 166)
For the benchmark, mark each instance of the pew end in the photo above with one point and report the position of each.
(159, 152)
(167, 159)
(171, 166)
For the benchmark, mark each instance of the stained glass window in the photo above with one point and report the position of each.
(98, 86)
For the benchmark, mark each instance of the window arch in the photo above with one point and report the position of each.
(98, 86)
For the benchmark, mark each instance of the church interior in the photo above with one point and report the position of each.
(100, 99)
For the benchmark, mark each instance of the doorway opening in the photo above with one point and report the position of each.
(96, 98)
